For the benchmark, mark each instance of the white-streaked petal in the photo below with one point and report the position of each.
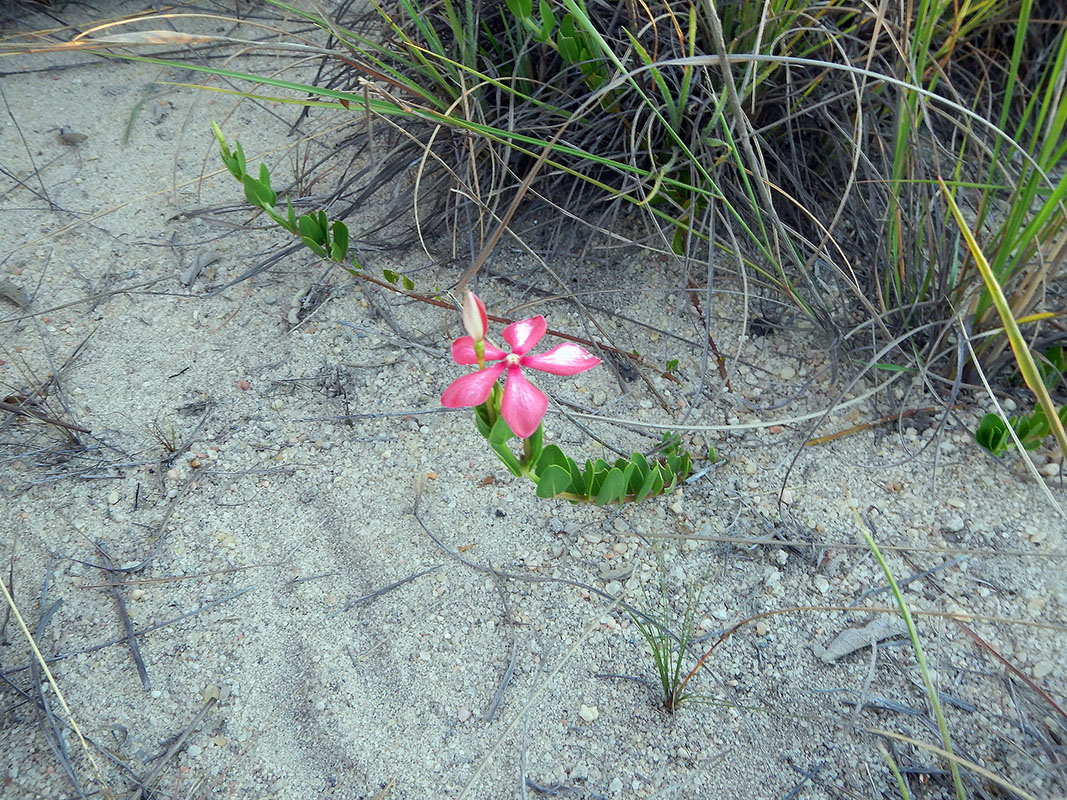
(472, 389)
(523, 404)
(563, 359)
(463, 351)
(525, 333)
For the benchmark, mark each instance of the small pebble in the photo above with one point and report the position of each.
(113, 497)
(787, 497)
(463, 714)
(194, 750)
(1050, 470)
(955, 523)
(762, 628)
(71, 138)
(600, 397)
(1042, 669)
(1038, 536)
(588, 713)
(787, 373)
(821, 584)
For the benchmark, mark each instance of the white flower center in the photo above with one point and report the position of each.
(512, 360)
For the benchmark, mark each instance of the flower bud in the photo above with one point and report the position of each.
(474, 320)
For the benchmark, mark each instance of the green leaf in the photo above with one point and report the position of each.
(652, 486)
(612, 489)
(407, 283)
(629, 475)
(310, 230)
(264, 180)
(522, 9)
(578, 485)
(552, 454)
(509, 459)
(481, 418)
(314, 246)
(500, 432)
(256, 194)
(390, 276)
(535, 444)
(553, 481)
(290, 222)
(339, 245)
(992, 434)
(548, 22)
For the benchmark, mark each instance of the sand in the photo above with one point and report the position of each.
(336, 590)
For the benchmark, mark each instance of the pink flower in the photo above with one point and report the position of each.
(523, 404)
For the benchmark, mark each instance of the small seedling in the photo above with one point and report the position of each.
(1032, 430)
(669, 649)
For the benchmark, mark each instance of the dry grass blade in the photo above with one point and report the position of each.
(42, 664)
(956, 760)
(1023, 357)
(1014, 670)
(127, 623)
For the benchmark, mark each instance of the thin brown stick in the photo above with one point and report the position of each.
(23, 411)
(1014, 670)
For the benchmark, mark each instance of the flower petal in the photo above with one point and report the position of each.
(474, 320)
(563, 359)
(463, 351)
(471, 390)
(525, 333)
(523, 404)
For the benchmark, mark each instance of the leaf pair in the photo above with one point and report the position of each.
(325, 239)
(1032, 430)
(627, 480)
(570, 41)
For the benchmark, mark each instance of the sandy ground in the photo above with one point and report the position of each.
(336, 591)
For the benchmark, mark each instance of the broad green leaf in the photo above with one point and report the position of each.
(339, 245)
(310, 230)
(390, 276)
(264, 180)
(552, 454)
(612, 489)
(992, 434)
(481, 418)
(578, 485)
(314, 246)
(407, 283)
(522, 9)
(652, 486)
(256, 194)
(552, 481)
(509, 459)
(500, 432)
(629, 474)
